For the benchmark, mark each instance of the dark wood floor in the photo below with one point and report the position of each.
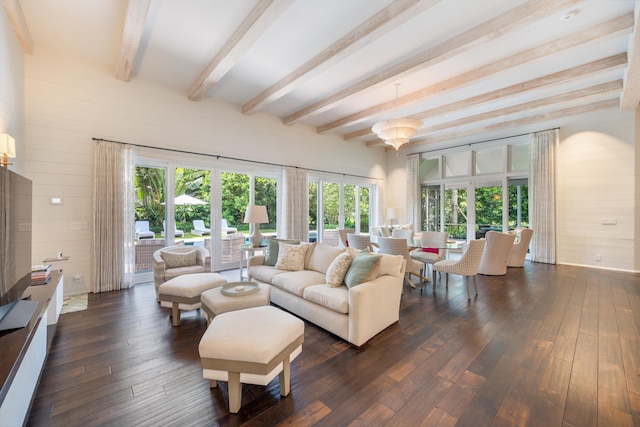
(541, 346)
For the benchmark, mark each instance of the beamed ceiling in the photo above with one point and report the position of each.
(466, 68)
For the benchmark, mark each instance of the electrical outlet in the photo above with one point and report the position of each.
(608, 221)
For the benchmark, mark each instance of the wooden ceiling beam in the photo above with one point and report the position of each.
(260, 19)
(524, 14)
(382, 22)
(630, 97)
(561, 77)
(608, 29)
(131, 34)
(16, 18)
(535, 118)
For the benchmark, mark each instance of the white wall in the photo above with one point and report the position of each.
(12, 90)
(69, 102)
(596, 180)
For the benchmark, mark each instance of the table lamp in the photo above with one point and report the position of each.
(256, 215)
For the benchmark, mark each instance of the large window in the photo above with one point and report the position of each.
(484, 189)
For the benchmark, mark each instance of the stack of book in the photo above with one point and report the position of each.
(40, 274)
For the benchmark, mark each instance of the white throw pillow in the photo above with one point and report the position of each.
(322, 256)
(337, 270)
(291, 257)
(179, 259)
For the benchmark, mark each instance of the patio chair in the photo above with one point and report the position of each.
(177, 233)
(142, 230)
(466, 266)
(226, 229)
(199, 229)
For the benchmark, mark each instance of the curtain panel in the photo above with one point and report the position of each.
(293, 221)
(542, 195)
(113, 217)
(413, 191)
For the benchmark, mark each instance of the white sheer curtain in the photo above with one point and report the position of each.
(293, 220)
(542, 195)
(413, 191)
(113, 217)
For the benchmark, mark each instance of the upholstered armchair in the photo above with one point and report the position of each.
(496, 253)
(466, 266)
(519, 248)
(174, 261)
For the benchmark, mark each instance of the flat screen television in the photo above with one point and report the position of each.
(15, 239)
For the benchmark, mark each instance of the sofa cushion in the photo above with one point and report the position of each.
(336, 299)
(291, 257)
(364, 267)
(264, 273)
(178, 259)
(271, 255)
(338, 269)
(295, 282)
(322, 256)
(391, 265)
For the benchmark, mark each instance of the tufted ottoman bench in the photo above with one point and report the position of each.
(183, 292)
(250, 346)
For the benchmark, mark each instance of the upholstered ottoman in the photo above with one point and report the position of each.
(183, 292)
(217, 301)
(250, 346)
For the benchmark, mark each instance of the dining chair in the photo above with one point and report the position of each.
(520, 247)
(398, 246)
(496, 253)
(403, 234)
(342, 236)
(466, 266)
(359, 241)
(433, 248)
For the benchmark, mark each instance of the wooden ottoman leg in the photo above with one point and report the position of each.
(235, 392)
(175, 314)
(285, 377)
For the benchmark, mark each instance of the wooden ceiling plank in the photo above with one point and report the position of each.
(630, 97)
(16, 18)
(536, 118)
(380, 23)
(560, 77)
(608, 29)
(259, 20)
(524, 14)
(131, 34)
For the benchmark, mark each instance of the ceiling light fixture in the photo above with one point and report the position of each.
(396, 132)
(569, 15)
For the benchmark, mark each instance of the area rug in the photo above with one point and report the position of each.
(74, 303)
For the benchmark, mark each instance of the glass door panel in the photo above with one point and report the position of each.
(430, 206)
(313, 211)
(518, 203)
(365, 202)
(235, 199)
(455, 212)
(488, 207)
(330, 212)
(192, 207)
(266, 194)
(149, 215)
(349, 206)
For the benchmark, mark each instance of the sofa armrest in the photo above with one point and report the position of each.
(256, 260)
(373, 306)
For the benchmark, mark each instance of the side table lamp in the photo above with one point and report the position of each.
(256, 215)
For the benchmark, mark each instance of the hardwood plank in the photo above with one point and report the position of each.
(548, 406)
(582, 396)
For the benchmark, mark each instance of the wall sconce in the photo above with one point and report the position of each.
(7, 149)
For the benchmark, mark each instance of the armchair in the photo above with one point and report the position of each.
(174, 261)
(496, 253)
(519, 249)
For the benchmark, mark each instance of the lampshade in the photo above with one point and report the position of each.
(256, 214)
(396, 132)
(7, 145)
(391, 213)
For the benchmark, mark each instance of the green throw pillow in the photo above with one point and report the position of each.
(271, 257)
(363, 268)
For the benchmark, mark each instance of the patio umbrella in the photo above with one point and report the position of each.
(187, 200)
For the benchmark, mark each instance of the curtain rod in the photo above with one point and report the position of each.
(469, 144)
(218, 156)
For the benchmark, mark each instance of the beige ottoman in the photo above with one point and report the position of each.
(183, 292)
(250, 346)
(215, 302)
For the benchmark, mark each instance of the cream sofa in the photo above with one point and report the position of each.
(355, 314)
